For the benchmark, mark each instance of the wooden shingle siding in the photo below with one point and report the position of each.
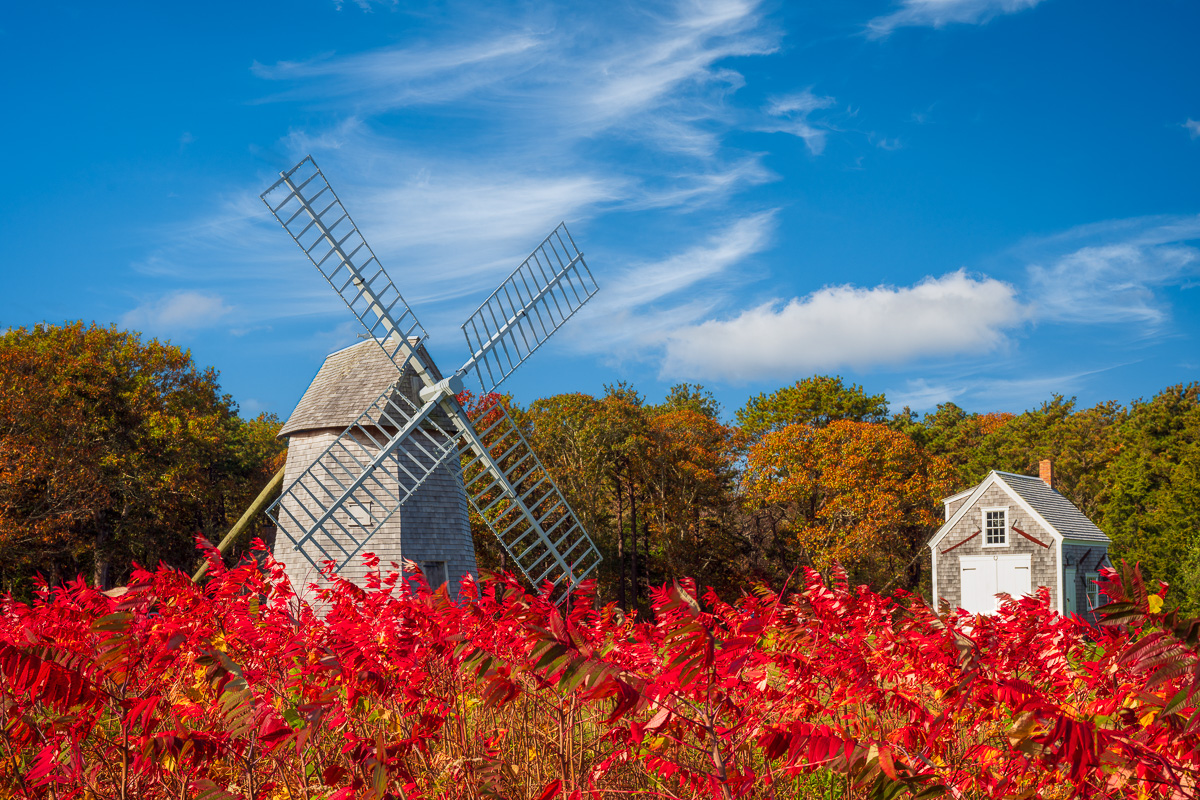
(347, 383)
(433, 526)
(1043, 561)
(1086, 558)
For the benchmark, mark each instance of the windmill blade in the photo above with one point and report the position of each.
(346, 495)
(527, 308)
(512, 492)
(310, 211)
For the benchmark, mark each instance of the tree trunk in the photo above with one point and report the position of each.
(634, 539)
(100, 559)
(621, 597)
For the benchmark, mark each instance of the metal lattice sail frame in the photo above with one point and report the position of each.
(332, 509)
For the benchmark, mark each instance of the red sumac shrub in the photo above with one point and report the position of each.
(231, 689)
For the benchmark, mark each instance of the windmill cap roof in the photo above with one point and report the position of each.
(345, 386)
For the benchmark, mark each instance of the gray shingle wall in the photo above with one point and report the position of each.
(432, 526)
(952, 508)
(1085, 558)
(1043, 561)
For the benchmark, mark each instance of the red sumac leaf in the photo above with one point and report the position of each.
(551, 790)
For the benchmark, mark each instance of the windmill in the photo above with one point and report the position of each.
(416, 430)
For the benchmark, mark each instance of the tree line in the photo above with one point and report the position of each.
(821, 471)
(116, 449)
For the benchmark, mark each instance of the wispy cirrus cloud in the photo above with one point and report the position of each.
(400, 76)
(987, 390)
(848, 326)
(939, 13)
(792, 113)
(571, 75)
(1113, 272)
(645, 303)
(1192, 126)
(540, 104)
(176, 312)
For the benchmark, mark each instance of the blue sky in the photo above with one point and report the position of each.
(981, 201)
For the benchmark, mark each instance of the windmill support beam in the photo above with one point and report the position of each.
(260, 502)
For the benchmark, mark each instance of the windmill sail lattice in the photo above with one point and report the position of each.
(527, 308)
(512, 492)
(307, 207)
(353, 487)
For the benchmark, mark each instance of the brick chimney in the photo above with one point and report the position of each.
(1046, 472)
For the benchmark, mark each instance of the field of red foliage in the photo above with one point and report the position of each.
(229, 690)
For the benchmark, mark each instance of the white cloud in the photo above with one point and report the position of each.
(571, 76)
(406, 76)
(1193, 128)
(794, 111)
(179, 311)
(845, 326)
(1112, 272)
(644, 303)
(938, 13)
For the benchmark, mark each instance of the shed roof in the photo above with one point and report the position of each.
(1056, 512)
(345, 386)
(1054, 508)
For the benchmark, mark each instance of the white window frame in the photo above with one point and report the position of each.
(361, 515)
(1092, 590)
(984, 525)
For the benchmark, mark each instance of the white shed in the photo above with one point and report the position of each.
(1011, 534)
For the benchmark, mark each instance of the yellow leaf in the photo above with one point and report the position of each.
(1156, 603)
(1147, 719)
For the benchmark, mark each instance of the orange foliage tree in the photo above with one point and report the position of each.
(858, 493)
(114, 449)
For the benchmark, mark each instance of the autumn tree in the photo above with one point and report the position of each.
(596, 449)
(114, 449)
(690, 478)
(858, 493)
(956, 436)
(815, 401)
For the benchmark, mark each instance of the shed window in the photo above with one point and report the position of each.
(1093, 591)
(995, 527)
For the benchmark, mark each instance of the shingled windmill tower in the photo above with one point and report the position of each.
(394, 475)
(434, 529)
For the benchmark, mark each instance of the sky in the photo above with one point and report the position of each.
(983, 202)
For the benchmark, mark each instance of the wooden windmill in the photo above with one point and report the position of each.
(385, 458)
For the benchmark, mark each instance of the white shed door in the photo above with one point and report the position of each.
(977, 577)
(983, 577)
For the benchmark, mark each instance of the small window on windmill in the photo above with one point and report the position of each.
(435, 573)
(361, 514)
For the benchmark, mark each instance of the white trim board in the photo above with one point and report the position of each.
(993, 478)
